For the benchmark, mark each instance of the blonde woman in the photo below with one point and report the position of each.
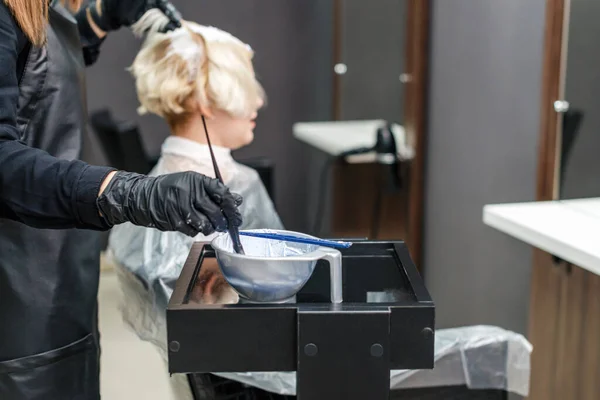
(49, 277)
(188, 75)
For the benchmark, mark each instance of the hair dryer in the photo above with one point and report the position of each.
(386, 154)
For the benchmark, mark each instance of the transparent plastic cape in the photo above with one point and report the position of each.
(148, 262)
(480, 357)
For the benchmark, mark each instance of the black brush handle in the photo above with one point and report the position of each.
(233, 230)
(235, 238)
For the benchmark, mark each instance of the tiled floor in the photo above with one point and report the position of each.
(131, 369)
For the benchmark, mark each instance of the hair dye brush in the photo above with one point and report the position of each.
(233, 231)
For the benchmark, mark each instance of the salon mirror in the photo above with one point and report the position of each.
(579, 126)
(379, 58)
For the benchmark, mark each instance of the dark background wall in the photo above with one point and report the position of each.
(486, 59)
(292, 40)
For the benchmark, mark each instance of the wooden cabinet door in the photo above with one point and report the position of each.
(589, 357)
(571, 315)
(565, 331)
(543, 325)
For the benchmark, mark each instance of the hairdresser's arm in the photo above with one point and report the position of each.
(44, 192)
(102, 16)
(36, 188)
(91, 35)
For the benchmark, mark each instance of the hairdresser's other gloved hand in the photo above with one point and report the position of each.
(186, 202)
(110, 15)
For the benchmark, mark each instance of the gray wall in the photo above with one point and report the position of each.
(486, 58)
(292, 40)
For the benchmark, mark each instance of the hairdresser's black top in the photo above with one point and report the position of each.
(36, 188)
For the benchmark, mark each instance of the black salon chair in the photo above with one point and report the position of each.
(121, 142)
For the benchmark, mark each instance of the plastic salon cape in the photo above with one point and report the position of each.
(149, 261)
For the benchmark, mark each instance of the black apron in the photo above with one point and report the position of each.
(49, 278)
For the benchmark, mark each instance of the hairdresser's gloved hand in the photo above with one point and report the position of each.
(186, 202)
(111, 15)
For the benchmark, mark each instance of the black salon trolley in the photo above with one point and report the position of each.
(343, 351)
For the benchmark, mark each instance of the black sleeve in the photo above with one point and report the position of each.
(90, 42)
(36, 188)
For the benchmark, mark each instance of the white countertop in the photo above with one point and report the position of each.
(568, 229)
(335, 137)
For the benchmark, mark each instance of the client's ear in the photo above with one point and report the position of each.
(206, 111)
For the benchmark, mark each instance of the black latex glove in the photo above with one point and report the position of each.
(186, 202)
(117, 13)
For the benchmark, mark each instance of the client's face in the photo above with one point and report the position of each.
(235, 132)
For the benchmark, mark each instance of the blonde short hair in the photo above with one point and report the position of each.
(193, 66)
